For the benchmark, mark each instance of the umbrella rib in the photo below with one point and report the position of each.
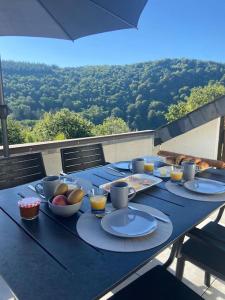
(55, 20)
(113, 14)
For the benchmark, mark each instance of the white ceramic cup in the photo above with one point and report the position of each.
(137, 165)
(189, 170)
(119, 194)
(48, 186)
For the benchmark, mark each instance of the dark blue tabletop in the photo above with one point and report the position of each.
(46, 258)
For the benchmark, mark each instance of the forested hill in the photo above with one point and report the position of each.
(139, 93)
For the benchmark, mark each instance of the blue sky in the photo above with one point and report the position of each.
(167, 29)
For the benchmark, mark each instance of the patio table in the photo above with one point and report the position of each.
(46, 257)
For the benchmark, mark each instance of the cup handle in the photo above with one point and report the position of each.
(133, 195)
(130, 166)
(197, 169)
(39, 189)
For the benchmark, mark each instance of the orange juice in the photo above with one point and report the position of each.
(176, 175)
(149, 167)
(98, 202)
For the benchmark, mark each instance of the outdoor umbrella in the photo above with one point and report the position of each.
(62, 19)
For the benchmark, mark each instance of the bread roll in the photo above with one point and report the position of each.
(203, 165)
(178, 157)
(170, 160)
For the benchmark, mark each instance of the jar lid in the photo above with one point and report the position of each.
(29, 202)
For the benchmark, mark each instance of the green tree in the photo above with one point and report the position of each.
(198, 97)
(176, 111)
(111, 125)
(203, 95)
(155, 118)
(63, 123)
(97, 92)
(15, 132)
(28, 134)
(95, 114)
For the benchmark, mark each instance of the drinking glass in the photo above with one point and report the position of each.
(29, 208)
(98, 199)
(176, 174)
(163, 171)
(149, 166)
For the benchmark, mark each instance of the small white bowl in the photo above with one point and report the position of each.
(64, 211)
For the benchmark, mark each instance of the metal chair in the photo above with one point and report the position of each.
(156, 284)
(82, 157)
(205, 249)
(21, 169)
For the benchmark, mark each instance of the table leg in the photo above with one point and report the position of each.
(175, 250)
(219, 216)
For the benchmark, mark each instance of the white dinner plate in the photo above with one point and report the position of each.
(125, 165)
(139, 182)
(129, 223)
(205, 186)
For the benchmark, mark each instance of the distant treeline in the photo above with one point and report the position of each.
(139, 93)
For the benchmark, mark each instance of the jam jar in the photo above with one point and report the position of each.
(29, 208)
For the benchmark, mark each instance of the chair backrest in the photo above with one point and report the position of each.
(21, 169)
(82, 157)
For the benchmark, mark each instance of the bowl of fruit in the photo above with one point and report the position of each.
(67, 200)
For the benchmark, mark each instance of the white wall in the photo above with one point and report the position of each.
(128, 149)
(201, 141)
(114, 151)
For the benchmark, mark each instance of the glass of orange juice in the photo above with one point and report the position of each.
(149, 166)
(98, 199)
(176, 174)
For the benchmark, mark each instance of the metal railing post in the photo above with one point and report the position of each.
(3, 115)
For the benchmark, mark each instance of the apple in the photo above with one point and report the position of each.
(59, 200)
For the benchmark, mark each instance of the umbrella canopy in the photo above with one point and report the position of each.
(67, 19)
(62, 19)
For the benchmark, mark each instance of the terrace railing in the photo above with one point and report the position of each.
(116, 147)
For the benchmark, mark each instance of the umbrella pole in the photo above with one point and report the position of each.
(3, 115)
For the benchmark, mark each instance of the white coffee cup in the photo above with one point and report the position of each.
(137, 165)
(119, 194)
(48, 186)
